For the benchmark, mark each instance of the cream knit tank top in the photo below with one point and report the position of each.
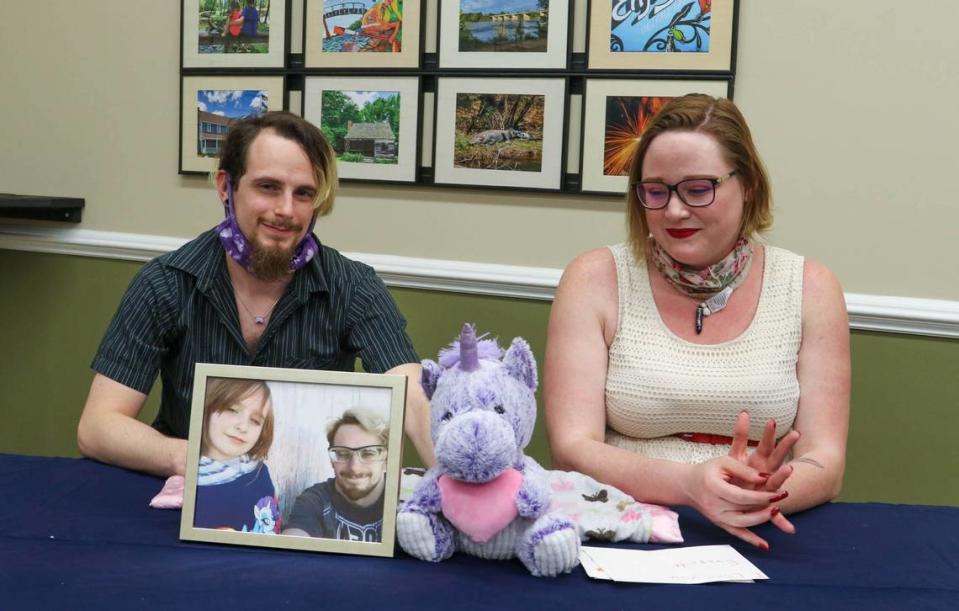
(659, 384)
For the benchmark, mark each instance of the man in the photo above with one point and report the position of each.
(348, 506)
(258, 290)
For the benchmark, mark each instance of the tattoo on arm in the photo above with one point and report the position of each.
(809, 461)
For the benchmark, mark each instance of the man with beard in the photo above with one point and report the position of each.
(348, 506)
(259, 289)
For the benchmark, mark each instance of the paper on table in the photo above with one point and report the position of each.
(698, 564)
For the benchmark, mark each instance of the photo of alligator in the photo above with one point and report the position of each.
(499, 132)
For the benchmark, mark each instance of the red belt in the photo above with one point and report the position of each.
(710, 438)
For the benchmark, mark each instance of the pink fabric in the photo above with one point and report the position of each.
(481, 510)
(171, 496)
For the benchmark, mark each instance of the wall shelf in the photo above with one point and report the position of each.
(42, 208)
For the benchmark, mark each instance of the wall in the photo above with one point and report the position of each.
(845, 99)
(904, 392)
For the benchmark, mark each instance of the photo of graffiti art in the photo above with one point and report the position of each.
(660, 26)
(626, 120)
(217, 110)
(362, 126)
(503, 25)
(362, 26)
(499, 132)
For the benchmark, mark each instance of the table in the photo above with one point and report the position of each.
(76, 534)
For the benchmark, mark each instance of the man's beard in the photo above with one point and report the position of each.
(270, 263)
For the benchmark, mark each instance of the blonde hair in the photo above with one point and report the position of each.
(719, 118)
(363, 417)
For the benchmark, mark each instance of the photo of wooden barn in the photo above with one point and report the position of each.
(372, 140)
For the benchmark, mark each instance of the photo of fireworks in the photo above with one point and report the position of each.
(626, 119)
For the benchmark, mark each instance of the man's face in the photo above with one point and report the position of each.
(273, 201)
(356, 481)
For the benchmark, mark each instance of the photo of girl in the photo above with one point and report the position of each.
(234, 488)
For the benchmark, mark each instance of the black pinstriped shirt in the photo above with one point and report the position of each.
(179, 310)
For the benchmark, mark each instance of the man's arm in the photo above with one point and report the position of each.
(417, 421)
(109, 432)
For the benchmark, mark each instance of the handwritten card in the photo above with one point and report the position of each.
(688, 565)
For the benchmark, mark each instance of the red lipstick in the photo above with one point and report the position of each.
(681, 233)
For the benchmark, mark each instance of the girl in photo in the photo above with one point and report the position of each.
(234, 487)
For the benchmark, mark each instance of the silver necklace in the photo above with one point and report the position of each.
(257, 318)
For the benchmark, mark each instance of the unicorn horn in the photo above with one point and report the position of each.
(469, 358)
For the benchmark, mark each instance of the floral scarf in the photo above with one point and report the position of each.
(703, 283)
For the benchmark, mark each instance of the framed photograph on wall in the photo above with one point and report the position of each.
(362, 34)
(503, 33)
(210, 104)
(233, 33)
(294, 459)
(503, 132)
(671, 35)
(371, 123)
(615, 114)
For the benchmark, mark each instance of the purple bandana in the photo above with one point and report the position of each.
(238, 247)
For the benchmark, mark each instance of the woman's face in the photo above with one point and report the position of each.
(233, 432)
(695, 236)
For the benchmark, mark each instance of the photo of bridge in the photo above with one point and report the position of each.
(503, 25)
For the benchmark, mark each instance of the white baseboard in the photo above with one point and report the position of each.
(914, 316)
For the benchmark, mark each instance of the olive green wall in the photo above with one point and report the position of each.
(55, 308)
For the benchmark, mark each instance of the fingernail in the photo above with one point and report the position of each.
(744, 412)
(774, 512)
(763, 546)
(764, 474)
(780, 497)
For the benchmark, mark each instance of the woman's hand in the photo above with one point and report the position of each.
(731, 494)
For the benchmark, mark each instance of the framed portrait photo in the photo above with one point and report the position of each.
(294, 459)
(362, 34)
(669, 35)
(233, 33)
(371, 123)
(502, 132)
(615, 114)
(503, 33)
(210, 104)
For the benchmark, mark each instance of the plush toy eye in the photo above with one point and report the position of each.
(499, 409)
(447, 417)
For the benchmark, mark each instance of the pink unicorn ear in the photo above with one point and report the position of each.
(430, 376)
(520, 362)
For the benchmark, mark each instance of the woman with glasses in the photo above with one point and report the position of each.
(695, 364)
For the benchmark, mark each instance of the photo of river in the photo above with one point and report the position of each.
(503, 25)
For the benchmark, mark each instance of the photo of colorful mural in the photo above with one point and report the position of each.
(626, 119)
(660, 26)
(217, 110)
(503, 25)
(360, 26)
(499, 132)
(362, 126)
(233, 26)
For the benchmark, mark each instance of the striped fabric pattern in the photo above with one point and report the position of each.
(179, 310)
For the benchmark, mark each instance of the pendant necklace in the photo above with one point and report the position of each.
(712, 305)
(259, 319)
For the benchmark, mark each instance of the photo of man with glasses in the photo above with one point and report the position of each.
(349, 505)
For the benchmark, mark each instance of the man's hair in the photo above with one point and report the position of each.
(224, 393)
(719, 118)
(363, 417)
(243, 132)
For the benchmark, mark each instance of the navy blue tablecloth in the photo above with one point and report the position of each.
(75, 534)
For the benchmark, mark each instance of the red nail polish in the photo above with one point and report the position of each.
(764, 474)
(780, 497)
(774, 512)
(763, 546)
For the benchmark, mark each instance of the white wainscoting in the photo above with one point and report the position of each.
(914, 316)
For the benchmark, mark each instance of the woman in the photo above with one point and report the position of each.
(667, 353)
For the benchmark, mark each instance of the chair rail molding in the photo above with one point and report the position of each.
(880, 313)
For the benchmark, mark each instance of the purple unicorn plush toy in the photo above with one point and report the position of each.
(484, 496)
